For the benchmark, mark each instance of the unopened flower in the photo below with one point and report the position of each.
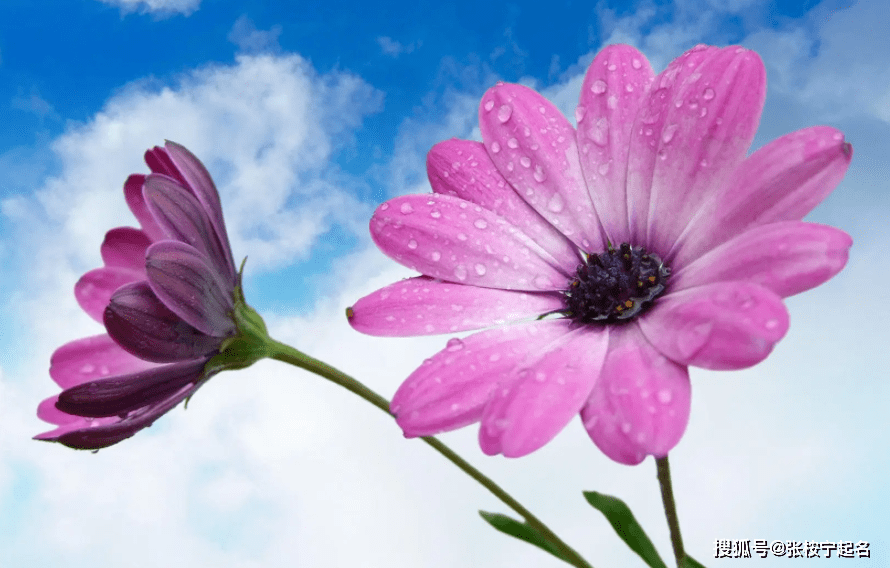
(646, 236)
(170, 299)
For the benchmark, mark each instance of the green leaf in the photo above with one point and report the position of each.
(627, 527)
(522, 531)
(690, 562)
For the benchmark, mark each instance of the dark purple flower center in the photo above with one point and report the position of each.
(615, 286)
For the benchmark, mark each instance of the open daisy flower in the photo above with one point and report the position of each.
(170, 299)
(621, 252)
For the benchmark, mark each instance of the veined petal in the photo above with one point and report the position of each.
(140, 323)
(198, 179)
(122, 394)
(159, 162)
(424, 306)
(787, 257)
(550, 387)
(462, 168)
(183, 219)
(704, 139)
(640, 404)
(783, 181)
(534, 147)
(451, 388)
(125, 247)
(136, 202)
(613, 92)
(94, 289)
(730, 325)
(454, 240)
(92, 358)
(183, 279)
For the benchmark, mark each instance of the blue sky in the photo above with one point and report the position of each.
(309, 115)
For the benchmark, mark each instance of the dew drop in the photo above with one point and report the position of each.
(664, 396)
(603, 168)
(612, 102)
(579, 113)
(480, 224)
(480, 269)
(489, 104)
(504, 113)
(636, 63)
(708, 94)
(435, 214)
(542, 282)
(540, 376)
(626, 427)
(669, 132)
(461, 237)
(556, 203)
(539, 174)
(629, 88)
(495, 147)
(771, 324)
(406, 208)
(494, 357)
(454, 344)
(460, 272)
(599, 132)
(436, 256)
(525, 161)
(412, 244)
(384, 207)
(598, 87)
(86, 369)
(513, 143)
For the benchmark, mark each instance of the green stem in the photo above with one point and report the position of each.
(670, 508)
(288, 354)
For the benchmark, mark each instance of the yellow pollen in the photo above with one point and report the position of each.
(350, 313)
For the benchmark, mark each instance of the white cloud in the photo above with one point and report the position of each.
(157, 7)
(395, 48)
(34, 104)
(249, 39)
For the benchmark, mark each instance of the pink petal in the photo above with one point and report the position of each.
(783, 181)
(159, 162)
(550, 387)
(730, 325)
(462, 168)
(701, 142)
(788, 257)
(198, 179)
(640, 404)
(614, 89)
(451, 388)
(125, 247)
(140, 323)
(94, 289)
(136, 201)
(423, 306)
(454, 240)
(48, 412)
(183, 279)
(90, 358)
(183, 219)
(534, 147)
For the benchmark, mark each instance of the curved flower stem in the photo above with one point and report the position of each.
(670, 508)
(288, 354)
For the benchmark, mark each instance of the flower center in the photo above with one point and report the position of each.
(616, 285)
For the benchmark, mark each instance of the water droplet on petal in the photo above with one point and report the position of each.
(86, 369)
(603, 168)
(636, 63)
(579, 113)
(412, 244)
(513, 143)
(495, 147)
(489, 104)
(708, 94)
(406, 208)
(504, 113)
(669, 132)
(556, 203)
(626, 427)
(454, 344)
(480, 269)
(598, 87)
(664, 396)
(461, 237)
(460, 271)
(540, 376)
(480, 224)
(525, 161)
(384, 207)
(435, 214)
(771, 324)
(539, 174)
(542, 282)
(436, 256)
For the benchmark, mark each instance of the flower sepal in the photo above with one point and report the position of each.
(251, 344)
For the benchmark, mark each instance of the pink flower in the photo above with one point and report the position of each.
(166, 296)
(647, 229)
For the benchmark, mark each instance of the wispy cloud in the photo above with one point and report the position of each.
(35, 104)
(249, 39)
(394, 48)
(160, 8)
